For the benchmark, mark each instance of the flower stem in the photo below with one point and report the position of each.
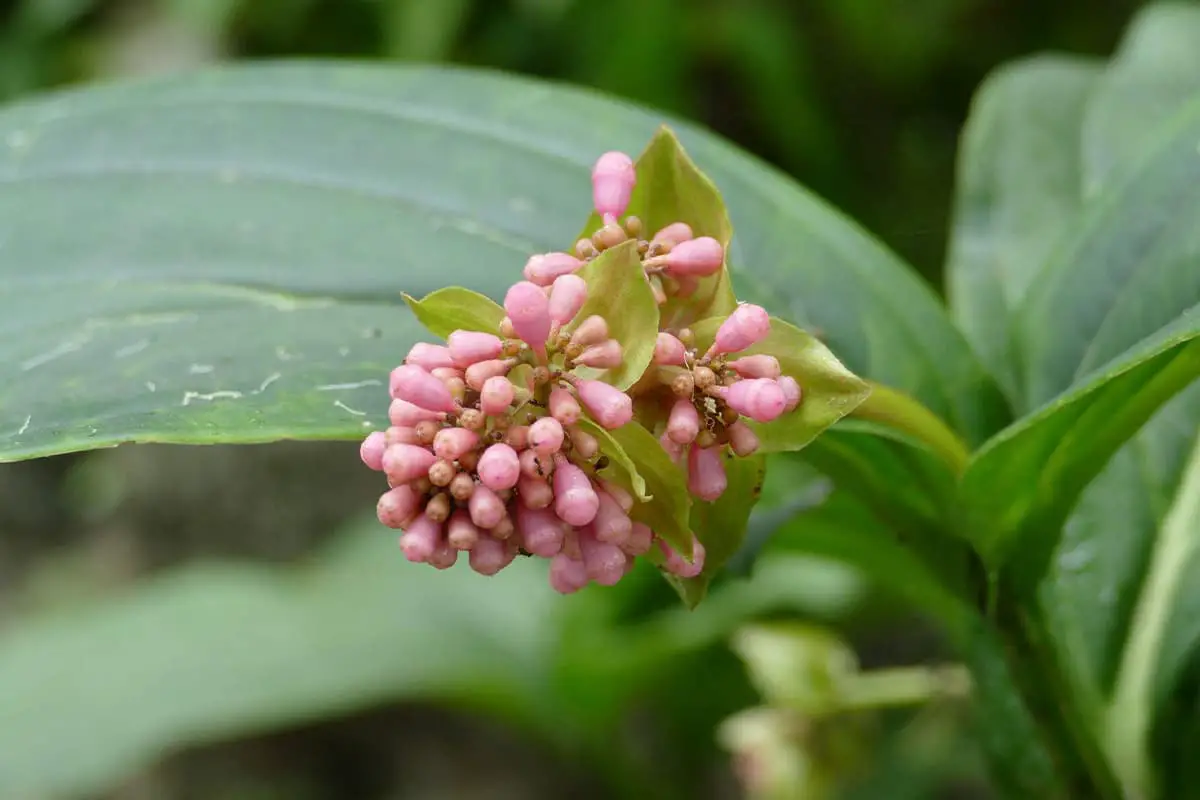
(900, 412)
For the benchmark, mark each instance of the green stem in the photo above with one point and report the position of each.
(896, 410)
(903, 686)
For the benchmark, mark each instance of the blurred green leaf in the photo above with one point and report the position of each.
(454, 308)
(239, 238)
(420, 30)
(1018, 189)
(618, 292)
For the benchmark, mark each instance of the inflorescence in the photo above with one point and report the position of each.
(489, 450)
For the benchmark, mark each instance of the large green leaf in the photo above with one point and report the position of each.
(1018, 188)
(220, 256)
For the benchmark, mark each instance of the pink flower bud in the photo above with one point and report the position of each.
(756, 367)
(536, 466)
(496, 396)
(567, 296)
(421, 389)
(761, 399)
(429, 356)
(575, 501)
(404, 414)
(673, 448)
(674, 233)
(567, 575)
(544, 269)
(407, 462)
(398, 434)
(529, 310)
(605, 355)
(469, 347)
(584, 443)
(742, 440)
(612, 523)
(452, 443)
(640, 540)
(420, 539)
(592, 330)
(613, 179)
(746, 326)
(608, 405)
(620, 494)
(478, 374)
(499, 468)
(489, 556)
(791, 393)
(675, 563)
(605, 562)
(541, 532)
(486, 508)
(683, 424)
(697, 257)
(534, 492)
(669, 351)
(443, 556)
(397, 507)
(371, 450)
(563, 406)
(706, 473)
(461, 533)
(546, 436)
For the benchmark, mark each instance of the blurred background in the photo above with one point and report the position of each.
(218, 623)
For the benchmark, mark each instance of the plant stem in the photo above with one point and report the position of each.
(896, 410)
(903, 686)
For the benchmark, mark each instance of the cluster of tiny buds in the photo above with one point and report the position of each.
(674, 258)
(492, 461)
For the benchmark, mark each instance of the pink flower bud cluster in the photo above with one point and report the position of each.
(709, 396)
(491, 461)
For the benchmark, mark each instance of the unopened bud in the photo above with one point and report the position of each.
(371, 450)
(398, 434)
(499, 467)
(496, 396)
(608, 236)
(534, 492)
(706, 473)
(529, 310)
(575, 501)
(485, 507)
(612, 523)
(607, 404)
(791, 393)
(541, 531)
(438, 508)
(640, 540)
(677, 565)
(535, 465)
(613, 179)
(563, 406)
(606, 355)
(674, 233)
(544, 269)
(669, 351)
(517, 437)
(585, 249)
(450, 443)
(761, 399)
(397, 507)
(683, 385)
(406, 462)
(592, 330)
(462, 487)
(461, 533)
(746, 326)
(429, 356)
(742, 440)
(705, 378)
(468, 347)
(546, 436)
(489, 556)
(584, 444)
(760, 366)
(421, 538)
(567, 575)
(567, 296)
(697, 257)
(478, 374)
(605, 563)
(683, 424)
(418, 387)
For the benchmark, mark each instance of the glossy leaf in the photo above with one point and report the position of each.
(630, 477)
(1017, 190)
(455, 308)
(666, 484)
(220, 256)
(671, 188)
(618, 292)
(829, 390)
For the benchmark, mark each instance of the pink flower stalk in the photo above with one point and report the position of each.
(567, 297)
(745, 327)
(418, 387)
(575, 501)
(499, 467)
(470, 347)
(563, 406)
(706, 473)
(546, 436)
(675, 233)
(371, 450)
(756, 367)
(528, 309)
(761, 399)
(696, 257)
(605, 355)
(683, 424)
(567, 575)
(791, 393)
(429, 356)
(608, 405)
(669, 351)
(495, 396)
(545, 269)
(613, 179)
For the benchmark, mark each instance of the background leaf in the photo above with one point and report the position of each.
(455, 308)
(237, 237)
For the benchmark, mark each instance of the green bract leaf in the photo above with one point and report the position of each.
(455, 308)
(665, 483)
(671, 188)
(629, 476)
(1019, 176)
(721, 525)
(829, 390)
(617, 291)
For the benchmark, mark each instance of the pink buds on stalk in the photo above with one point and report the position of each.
(761, 399)
(613, 179)
(529, 310)
(545, 269)
(567, 296)
(608, 405)
(605, 355)
(745, 327)
(470, 347)
(669, 351)
(429, 356)
(499, 467)
(416, 386)
(696, 257)
(706, 473)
